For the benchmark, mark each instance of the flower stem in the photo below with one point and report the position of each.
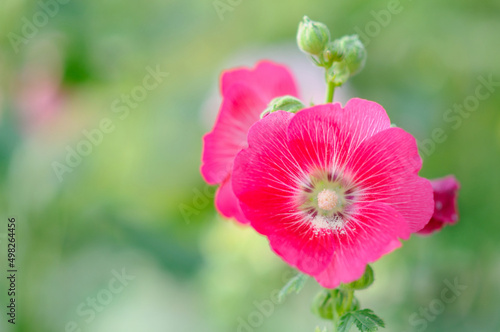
(350, 296)
(336, 318)
(329, 92)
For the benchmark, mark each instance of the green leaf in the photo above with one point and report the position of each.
(293, 285)
(365, 320)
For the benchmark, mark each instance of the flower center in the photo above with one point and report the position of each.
(327, 199)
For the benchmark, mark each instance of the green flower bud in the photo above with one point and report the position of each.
(323, 304)
(352, 51)
(285, 103)
(364, 282)
(312, 36)
(332, 52)
(338, 73)
(330, 301)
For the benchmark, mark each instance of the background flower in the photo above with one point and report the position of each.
(246, 94)
(445, 204)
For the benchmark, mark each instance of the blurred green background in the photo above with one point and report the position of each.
(136, 203)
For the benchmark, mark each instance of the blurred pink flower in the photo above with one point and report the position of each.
(332, 188)
(246, 93)
(39, 97)
(445, 204)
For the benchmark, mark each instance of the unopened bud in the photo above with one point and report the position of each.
(312, 37)
(364, 282)
(351, 50)
(284, 103)
(332, 52)
(323, 304)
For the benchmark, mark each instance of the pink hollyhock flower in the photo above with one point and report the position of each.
(445, 204)
(246, 93)
(332, 188)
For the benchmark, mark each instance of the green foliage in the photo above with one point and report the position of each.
(365, 320)
(293, 285)
(329, 302)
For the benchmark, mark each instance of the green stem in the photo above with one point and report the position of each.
(350, 295)
(329, 92)
(336, 318)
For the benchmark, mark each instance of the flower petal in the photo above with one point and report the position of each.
(445, 197)
(326, 135)
(227, 203)
(264, 180)
(246, 93)
(240, 109)
(385, 168)
(272, 80)
(388, 202)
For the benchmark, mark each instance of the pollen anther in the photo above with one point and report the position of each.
(327, 199)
